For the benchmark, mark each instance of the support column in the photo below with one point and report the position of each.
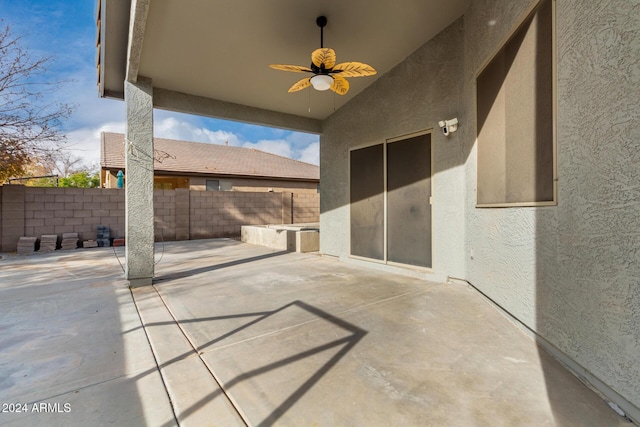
(139, 225)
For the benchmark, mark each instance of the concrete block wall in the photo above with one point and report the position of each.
(13, 219)
(306, 208)
(182, 217)
(164, 203)
(64, 210)
(221, 214)
(287, 208)
(179, 214)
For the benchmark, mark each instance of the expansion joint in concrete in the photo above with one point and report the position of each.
(146, 334)
(199, 354)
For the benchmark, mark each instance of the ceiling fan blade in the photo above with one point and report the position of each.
(300, 84)
(326, 56)
(340, 85)
(294, 68)
(354, 69)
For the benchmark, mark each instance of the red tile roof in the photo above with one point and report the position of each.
(201, 158)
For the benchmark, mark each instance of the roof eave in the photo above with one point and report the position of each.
(217, 174)
(113, 32)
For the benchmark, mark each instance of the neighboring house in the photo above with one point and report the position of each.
(211, 167)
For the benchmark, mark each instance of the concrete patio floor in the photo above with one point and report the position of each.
(234, 334)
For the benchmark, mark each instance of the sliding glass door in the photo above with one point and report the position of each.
(390, 201)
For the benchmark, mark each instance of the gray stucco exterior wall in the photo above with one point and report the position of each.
(570, 272)
(412, 97)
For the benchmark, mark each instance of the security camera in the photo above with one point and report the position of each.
(449, 126)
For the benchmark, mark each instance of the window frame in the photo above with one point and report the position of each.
(554, 80)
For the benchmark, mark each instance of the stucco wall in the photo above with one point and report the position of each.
(572, 272)
(412, 97)
(596, 291)
(500, 244)
(569, 272)
(239, 184)
(247, 184)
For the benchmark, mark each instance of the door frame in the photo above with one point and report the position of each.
(384, 144)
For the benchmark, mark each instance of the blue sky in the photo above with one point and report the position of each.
(65, 30)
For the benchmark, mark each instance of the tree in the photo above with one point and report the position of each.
(60, 168)
(29, 122)
(62, 163)
(82, 179)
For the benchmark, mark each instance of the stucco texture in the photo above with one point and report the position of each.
(422, 90)
(570, 272)
(139, 191)
(596, 291)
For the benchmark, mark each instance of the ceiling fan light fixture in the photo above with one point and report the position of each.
(326, 73)
(321, 82)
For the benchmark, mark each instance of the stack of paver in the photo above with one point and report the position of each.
(48, 242)
(104, 236)
(89, 244)
(27, 245)
(69, 241)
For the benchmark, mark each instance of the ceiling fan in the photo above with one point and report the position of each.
(326, 73)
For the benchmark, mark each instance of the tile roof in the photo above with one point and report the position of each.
(202, 158)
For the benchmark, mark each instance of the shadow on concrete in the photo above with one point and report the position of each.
(61, 318)
(345, 344)
(207, 269)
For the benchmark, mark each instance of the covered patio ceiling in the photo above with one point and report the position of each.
(219, 51)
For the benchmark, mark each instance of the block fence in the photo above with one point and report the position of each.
(180, 214)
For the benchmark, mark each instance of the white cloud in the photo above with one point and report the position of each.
(306, 147)
(299, 146)
(172, 128)
(299, 139)
(85, 142)
(311, 154)
(273, 146)
(219, 137)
